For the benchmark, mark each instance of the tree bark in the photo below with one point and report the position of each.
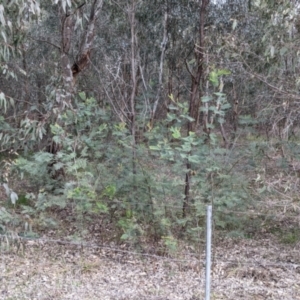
(83, 57)
(196, 93)
(132, 20)
(71, 70)
(161, 67)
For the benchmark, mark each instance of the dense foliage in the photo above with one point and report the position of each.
(140, 113)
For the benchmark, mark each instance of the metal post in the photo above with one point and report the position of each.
(208, 252)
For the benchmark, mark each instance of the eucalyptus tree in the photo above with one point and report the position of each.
(259, 49)
(51, 43)
(278, 72)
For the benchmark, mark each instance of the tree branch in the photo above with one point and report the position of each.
(45, 41)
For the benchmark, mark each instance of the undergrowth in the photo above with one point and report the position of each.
(97, 180)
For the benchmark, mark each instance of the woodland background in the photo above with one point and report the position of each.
(127, 118)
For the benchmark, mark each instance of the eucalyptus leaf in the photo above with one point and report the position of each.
(14, 198)
(205, 99)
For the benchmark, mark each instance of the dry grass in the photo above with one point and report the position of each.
(242, 269)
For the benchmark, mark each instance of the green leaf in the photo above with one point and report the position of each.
(272, 51)
(110, 191)
(13, 198)
(175, 132)
(246, 119)
(156, 148)
(186, 147)
(215, 74)
(226, 106)
(213, 78)
(183, 155)
(234, 24)
(102, 207)
(221, 72)
(171, 117)
(219, 94)
(3, 101)
(187, 117)
(4, 36)
(2, 19)
(82, 95)
(205, 99)
(283, 50)
(58, 166)
(172, 98)
(172, 107)
(125, 236)
(194, 159)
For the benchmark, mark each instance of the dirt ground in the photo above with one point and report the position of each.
(242, 269)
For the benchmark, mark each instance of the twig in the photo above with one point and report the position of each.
(45, 41)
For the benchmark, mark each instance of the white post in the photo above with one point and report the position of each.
(208, 252)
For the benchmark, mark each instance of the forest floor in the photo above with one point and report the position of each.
(242, 269)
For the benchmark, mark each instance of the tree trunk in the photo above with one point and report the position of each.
(196, 93)
(161, 67)
(71, 70)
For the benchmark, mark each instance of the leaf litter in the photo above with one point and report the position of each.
(241, 269)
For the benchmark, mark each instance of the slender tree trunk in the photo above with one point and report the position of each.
(69, 69)
(87, 40)
(67, 28)
(235, 115)
(196, 93)
(132, 20)
(161, 67)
